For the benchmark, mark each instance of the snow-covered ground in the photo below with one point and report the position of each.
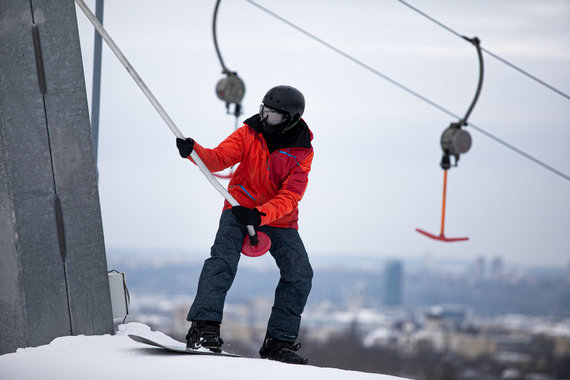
(118, 357)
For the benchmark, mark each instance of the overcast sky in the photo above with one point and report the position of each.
(376, 175)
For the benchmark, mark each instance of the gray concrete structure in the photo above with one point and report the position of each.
(53, 269)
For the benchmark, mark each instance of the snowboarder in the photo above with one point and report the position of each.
(275, 153)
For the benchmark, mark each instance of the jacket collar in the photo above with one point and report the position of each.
(299, 137)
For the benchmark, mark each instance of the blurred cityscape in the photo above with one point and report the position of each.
(423, 319)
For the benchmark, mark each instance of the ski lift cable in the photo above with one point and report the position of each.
(230, 89)
(511, 65)
(410, 91)
(355, 60)
(521, 152)
(215, 34)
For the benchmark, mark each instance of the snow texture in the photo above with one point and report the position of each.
(119, 357)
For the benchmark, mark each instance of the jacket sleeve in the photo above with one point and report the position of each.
(229, 152)
(290, 193)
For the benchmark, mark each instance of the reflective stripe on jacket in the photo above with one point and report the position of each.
(273, 183)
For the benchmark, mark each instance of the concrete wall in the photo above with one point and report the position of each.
(53, 269)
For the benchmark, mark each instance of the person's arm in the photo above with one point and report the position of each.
(289, 195)
(229, 152)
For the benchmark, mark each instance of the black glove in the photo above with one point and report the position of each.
(247, 216)
(185, 147)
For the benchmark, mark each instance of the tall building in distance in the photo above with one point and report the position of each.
(393, 283)
(497, 268)
(479, 269)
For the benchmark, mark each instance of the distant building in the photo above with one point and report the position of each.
(448, 317)
(497, 268)
(393, 283)
(479, 269)
(427, 264)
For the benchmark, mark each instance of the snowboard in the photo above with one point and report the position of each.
(181, 348)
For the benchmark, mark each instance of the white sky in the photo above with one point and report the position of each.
(376, 175)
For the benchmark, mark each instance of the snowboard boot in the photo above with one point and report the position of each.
(275, 349)
(204, 334)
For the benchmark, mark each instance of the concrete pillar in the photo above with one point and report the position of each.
(53, 269)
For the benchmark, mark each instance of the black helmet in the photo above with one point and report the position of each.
(286, 99)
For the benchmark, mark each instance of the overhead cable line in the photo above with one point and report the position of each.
(215, 34)
(410, 91)
(511, 65)
(521, 152)
(230, 89)
(353, 59)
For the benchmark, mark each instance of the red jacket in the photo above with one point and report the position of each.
(274, 182)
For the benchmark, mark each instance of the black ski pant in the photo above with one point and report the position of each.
(220, 269)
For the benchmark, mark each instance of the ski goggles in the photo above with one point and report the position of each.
(270, 115)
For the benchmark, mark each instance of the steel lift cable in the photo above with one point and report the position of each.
(412, 92)
(256, 243)
(511, 65)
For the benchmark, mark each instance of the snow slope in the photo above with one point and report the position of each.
(119, 357)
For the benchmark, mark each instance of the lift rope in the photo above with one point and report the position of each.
(230, 89)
